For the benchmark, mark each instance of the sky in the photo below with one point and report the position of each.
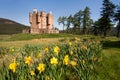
(18, 10)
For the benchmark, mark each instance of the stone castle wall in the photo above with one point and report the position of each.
(41, 22)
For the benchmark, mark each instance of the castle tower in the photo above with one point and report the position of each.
(43, 20)
(30, 18)
(33, 21)
(50, 21)
(39, 20)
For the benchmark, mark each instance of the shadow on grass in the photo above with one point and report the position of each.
(111, 44)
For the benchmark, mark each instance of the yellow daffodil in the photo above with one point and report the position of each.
(70, 44)
(84, 47)
(13, 66)
(71, 52)
(66, 60)
(54, 61)
(47, 78)
(94, 58)
(28, 60)
(56, 50)
(83, 61)
(73, 63)
(41, 67)
(32, 73)
(12, 50)
(46, 50)
(40, 55)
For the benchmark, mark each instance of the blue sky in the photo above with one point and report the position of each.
(18, 10)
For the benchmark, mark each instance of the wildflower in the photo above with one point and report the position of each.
(94, 58)
(12, 50)
(56, 50)
(13, 66)
(28, 60)
(40, 55)
(83, 61)
(32, 73)
(66, 60)
(41, 67)
(47, 78)
(71, 52)
(70, 43)
(76, 41)
(46, 49)
(54, 61)
(73, 63)
(84, 47)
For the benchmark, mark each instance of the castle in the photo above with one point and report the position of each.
(41, 22)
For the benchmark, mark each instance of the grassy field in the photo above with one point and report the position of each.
(109, 69)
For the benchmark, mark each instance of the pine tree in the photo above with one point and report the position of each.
(62, 20)
(86, 19)
(107, 14)
(69, 21)
(117, 19)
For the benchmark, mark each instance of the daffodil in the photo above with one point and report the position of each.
(56, 50)
(70, 43)
(13, 66)
(41, 67)
(71, 52)
(66, 60)
(84, 47)
(46, 49)
(32, 73)
(12, 49)
(40, 55)
(47, 78)
(28, 60)
(83, 61)
(73, 63)
(54, 61)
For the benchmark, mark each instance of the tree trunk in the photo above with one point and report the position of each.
(63, 28)
(84, 31)
(118, 31)
(105, 33)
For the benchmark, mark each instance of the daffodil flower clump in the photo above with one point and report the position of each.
(75, 58)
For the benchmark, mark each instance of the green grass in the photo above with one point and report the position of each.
(109, 69)
(20, 37)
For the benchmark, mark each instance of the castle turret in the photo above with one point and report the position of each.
(30, 18)
(50, 21)
(39, 20)
(34, 26)
(35, 10)
(43, 20)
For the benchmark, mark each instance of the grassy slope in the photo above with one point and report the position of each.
(10, 27)
(109, 69)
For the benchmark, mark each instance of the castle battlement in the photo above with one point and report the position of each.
(41, 22)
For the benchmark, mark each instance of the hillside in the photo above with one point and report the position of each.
(10, 27)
